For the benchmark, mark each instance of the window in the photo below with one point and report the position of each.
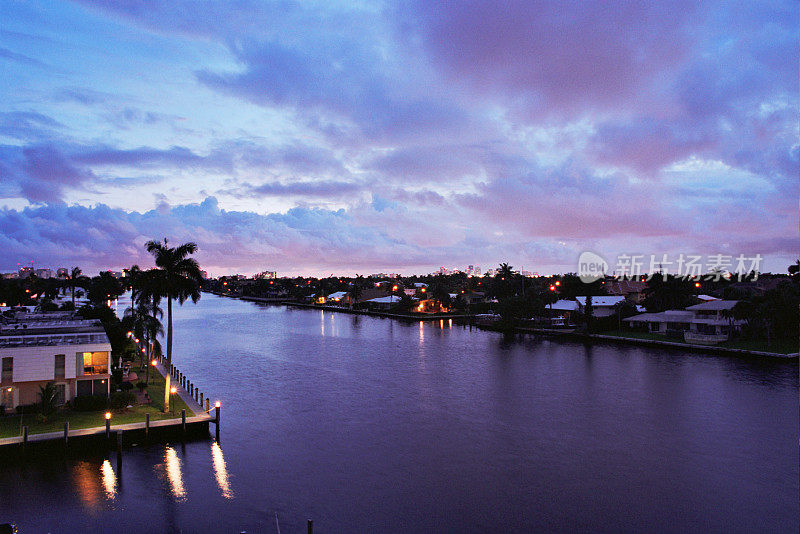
(95, 363)
(59, 366)
(7, 397)
(7, 375)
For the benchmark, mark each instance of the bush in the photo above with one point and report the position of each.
(126, 386)
(89, 403)
(28, 408)
(121, 399)
(116, 376)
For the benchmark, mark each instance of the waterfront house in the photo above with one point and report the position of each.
(35, 349)
(601, 306)
(383, 303)
(339, 297)
(705, 323)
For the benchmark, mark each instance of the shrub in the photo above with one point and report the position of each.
(116, 376)
(28, 408)
(89, 403)
(121, 399)
(126, 386)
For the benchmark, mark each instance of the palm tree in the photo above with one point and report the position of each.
(73, 275)
(354, 293)
(176, 277)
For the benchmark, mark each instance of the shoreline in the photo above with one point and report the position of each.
(550, 332)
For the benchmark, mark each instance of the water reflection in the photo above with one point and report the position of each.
(174, 475)
(221, 471)
(109, 479)
(87, 484)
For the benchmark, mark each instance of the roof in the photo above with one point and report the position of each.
(706, 297)
(564, 305)
(391, 299)
(601, 301)
(714, 305)
(337, 295)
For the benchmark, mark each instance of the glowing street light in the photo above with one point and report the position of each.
(108, 415)
(154, 363)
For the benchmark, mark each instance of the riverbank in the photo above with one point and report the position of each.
(83, 425)
(629, 339)
(581, 336)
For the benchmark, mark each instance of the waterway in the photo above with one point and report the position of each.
(366, 424)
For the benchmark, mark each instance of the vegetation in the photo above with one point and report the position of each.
(176, 277)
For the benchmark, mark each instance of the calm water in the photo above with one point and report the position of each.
(370, 425)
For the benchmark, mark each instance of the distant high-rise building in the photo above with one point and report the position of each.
(25, 272)
(44, 273)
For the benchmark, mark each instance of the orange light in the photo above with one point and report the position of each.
(697, 284)
(143, 351)
(136, 340)
(422, 290)
(558, 282)
(552, 288)
(394, 288)
(9, 390)
(102, 381)
(108, 415)
(217, 404)
(130, 334)
(173, 390)
(153, 363)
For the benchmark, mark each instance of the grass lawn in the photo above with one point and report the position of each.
(781, 346)
(11, 426)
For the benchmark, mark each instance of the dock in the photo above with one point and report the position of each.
(179, 425)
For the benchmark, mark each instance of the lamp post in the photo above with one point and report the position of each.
(172, 392)
(108, 425)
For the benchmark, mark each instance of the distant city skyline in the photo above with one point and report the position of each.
(313, 138)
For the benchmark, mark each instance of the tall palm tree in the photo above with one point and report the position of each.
(178, 278)
(73, 275)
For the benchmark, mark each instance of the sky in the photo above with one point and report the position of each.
(357, 137)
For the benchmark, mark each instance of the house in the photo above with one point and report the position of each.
(704, 323)
(383, 303)
(339, 297)
(39, 348)
(564, 309)
(601, 306)
(430, 306)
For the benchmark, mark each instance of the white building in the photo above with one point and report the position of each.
(601, 306)
(39, 348)
(702, 323)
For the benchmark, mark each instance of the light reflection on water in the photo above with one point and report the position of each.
(174, 475)
(221, 471)
(109, 480)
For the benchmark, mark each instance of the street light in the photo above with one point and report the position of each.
(172, 391)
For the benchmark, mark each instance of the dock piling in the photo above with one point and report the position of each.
(108, 428)
(310, 526)
(24, 436)
(183, 421)
(146, 425)
(216, 420)
(201, 399)
(66, 433)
